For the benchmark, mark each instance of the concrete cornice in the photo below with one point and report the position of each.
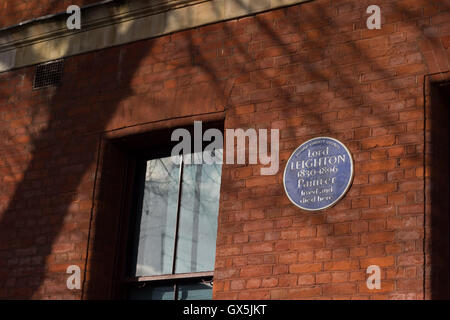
(112, 24)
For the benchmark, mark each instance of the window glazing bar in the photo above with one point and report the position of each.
(180, 184)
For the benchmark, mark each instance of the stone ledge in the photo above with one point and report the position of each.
(114, 24)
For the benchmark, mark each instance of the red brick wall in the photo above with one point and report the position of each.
(311, 69)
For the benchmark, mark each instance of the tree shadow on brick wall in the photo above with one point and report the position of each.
(337, 42)
(42, 227)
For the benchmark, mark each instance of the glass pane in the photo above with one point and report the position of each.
(195, 291)
(151, 293)
(198, 217)
(157, 226)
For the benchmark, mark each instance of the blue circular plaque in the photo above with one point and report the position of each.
(318, 173)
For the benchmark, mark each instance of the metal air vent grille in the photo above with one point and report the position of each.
(48, 74)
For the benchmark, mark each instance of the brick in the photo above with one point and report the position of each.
(300, 293)
(226, 274)
(305, 256)
(378, 189)
(305, 280)
(410, 260)
(411, 209)
(245, 109)
(226, 295)
(257, 225)
(360, 179)
(411, 162)
(377, 225)
(411, 115)
(254, 295)
(261, 181)
(287, 258)
(378, 165)
(62, 247)
(339, 277)
(360, 203)
(243, 172)
(255, 271)
(323, 278)
(322, 254)
(342, 228)
(305, 267)
(312, 87)
(58, 267)
(340, 253)
(379, 261)
(269, 282)
(395, 175)
(237, 284)
(393, 248)
(378, 200)
(229, 251)
(377, 178)
(410, 235)
(307, 244)
(278, 294)
(410, 185)
(410, 69)
(396, 198)
(257, 248)
(361, 133)
(377, 237)
(288, 280)
(342, 216)
(344, 265)
(378, 154)
(253, 283)
(240, 238)
(341, 241)
(409, 285)
(307, 232)
(339, 289)
(358, 252)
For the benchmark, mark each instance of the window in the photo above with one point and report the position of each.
(175, 230)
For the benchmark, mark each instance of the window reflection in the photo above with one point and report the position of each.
(198, 217)
(197, 221)
(158, 218)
